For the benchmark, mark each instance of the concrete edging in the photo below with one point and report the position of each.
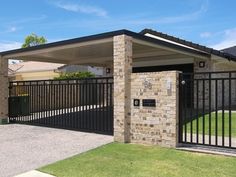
(34, 173)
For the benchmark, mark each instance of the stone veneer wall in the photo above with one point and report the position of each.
(3, 91)
(122, 74)
(155, 125)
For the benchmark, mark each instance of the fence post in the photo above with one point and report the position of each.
(3, 90)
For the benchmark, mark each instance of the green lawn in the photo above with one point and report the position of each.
(213, 124)
(128, 160)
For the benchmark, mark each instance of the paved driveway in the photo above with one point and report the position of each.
(24, 147)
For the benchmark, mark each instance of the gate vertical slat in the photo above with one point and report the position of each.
(50, 102)
(60, 121)
(197, 106)
(44, 102)
(80, 104)
(73, 105)
(180, 108)
(53, 123)
(37, 104)
(107, 106)
(209, 92)
(45, 98)
(97, 101)
(100, 106)
(40, 104)
(64, 104)
(58, 104)
(203, 111)
(216, 112)
(69, 96)
(77, 104)
(33, 101)
(84, 122)
(88, 105)
(102, 110)
(30, 107)
(223, 113)
(67, 99)
(191, 108)
(230, 121)
(185, 115)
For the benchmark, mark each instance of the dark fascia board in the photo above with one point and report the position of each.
(104, 36)
(190, 44)
(65, 42)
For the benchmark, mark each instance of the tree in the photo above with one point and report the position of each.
(74, 75)
(33, 40)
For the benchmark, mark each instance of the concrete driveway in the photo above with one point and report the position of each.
(24, 147)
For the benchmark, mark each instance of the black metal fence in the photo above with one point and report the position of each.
(83, 104)
(208, 109)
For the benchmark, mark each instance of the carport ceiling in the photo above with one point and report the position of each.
(98, 50)
(97, 53)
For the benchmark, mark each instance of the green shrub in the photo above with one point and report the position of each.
(75, 75)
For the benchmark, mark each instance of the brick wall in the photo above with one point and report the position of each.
(155, 125)
(3, 90)
(122, 74)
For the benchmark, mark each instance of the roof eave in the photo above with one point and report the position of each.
(104, 36)
(190, 44)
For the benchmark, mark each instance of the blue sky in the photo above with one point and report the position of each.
(208, 22)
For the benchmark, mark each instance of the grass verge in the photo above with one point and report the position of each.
(212, 128)
(129, 160)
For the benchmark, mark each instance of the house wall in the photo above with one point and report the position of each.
(201, 91)
(155, 125)
(46, 75)
(215, 66)
(226, 66)
(98, 71)
(43, 75)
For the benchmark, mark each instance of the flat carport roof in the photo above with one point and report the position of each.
(97, 50)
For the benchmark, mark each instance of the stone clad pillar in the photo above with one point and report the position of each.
(3, 91)
(122, 53)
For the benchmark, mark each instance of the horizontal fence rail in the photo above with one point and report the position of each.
(81, 104)
(208, 109)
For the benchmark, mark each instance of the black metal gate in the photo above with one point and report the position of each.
(83, 104)
(208, 109)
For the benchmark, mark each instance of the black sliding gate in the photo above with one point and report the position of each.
(208, 109)
(83, 104)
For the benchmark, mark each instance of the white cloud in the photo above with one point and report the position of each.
(205, 35)
(4, 46)
(174, 19)
(229, 39)
(81, 8)
(27, 20)
(12, 29)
